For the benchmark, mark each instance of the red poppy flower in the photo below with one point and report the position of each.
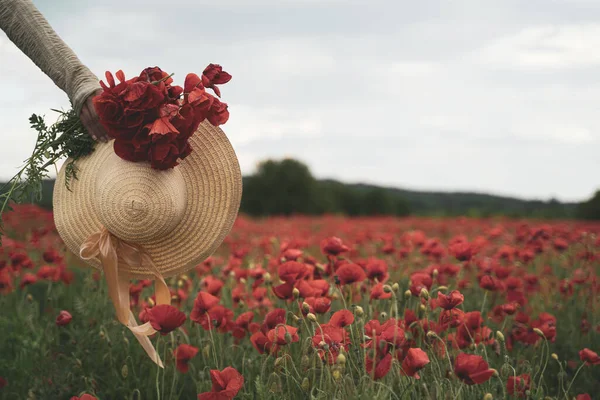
(392, 333)
(27, 279)
(518, 385)
(350, 273)
(84, 397)
(272, 319)
(451, 300)
(183, 354)
(472, 369)
(165, 318)
(225, 384)
(341, 319)
(203, 302)
(283, 334)
(589, 357)
(462, 251)
(218, 317)
(377, 293)
(415, 360)
(218, 114)
(377, 269)
(451, 318)
(52, 256)
(490, 283)
(328, 340)
(420, 281)
(63, 318)
(383, 364)
(242, 324)
(292, 254)
(262, 344)
(214, 75)
(333, 246)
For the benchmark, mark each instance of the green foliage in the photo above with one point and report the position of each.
(590, 209)
(287, 187)
(67, 138)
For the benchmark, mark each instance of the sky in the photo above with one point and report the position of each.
(499, 97)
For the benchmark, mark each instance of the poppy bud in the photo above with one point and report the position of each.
(488, 396)
(431, 334)
(243, 280)
(267, 277)
(311, 317)
(395, 287)
(359, 311)
(387, 289)
(305, 384)
(337, 375)
(383, 315)
(279, 361)
(124, 371)
(304, 362)
(499, 336)
(29, 297)
(305, 307)
(341, 359)
(539, 333)
(296, 293)
(287, 337)
(151, 302)
(424, 294)
(407, 294)
(206, 351)
(442, 288)
(180, 283)
(435, 273)
(554, 356)
(495, 372)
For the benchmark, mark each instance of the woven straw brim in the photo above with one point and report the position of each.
(214, 189)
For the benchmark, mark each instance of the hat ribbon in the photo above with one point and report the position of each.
(112, 253)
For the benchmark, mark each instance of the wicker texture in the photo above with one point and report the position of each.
(27, 28)
(178, 216)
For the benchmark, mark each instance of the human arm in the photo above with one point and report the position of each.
(27, 28)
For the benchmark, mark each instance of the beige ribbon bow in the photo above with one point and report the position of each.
(112, 252)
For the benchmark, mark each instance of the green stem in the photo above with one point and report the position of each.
(575, 376)
(157, 371)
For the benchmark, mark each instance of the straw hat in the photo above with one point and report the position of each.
(178, 216)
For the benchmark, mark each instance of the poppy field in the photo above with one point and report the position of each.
(315, 308)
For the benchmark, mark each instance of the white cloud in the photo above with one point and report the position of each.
(545, 47)
(247, 124)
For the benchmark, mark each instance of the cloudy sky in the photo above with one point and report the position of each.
(498, 96)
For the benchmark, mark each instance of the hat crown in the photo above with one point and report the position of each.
(137, 203)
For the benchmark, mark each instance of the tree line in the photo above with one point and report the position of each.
(286, 187)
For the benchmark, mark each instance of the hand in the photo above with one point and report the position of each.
(90, 120)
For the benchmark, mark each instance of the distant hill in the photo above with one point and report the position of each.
(433, 203)
(476, 204)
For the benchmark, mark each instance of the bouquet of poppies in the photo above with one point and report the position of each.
(152, 120)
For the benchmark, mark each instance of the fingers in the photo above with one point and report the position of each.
(96, 126)
(90, 120)
(86, 119)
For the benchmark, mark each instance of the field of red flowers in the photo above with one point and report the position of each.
(316, 308)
